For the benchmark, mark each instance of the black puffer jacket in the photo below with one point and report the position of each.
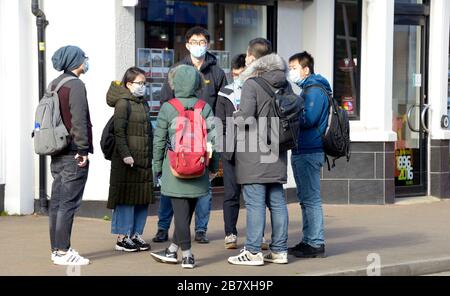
(214, 81)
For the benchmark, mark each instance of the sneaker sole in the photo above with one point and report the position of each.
(247, 263)
(144, 249)
(117, 248)
(231, 246)
(309, 256)
(162, 259)
(71, 264)
(188, 266)
(276, 261)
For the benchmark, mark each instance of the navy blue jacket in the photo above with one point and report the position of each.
(314, 119)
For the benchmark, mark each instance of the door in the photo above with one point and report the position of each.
(410, 108)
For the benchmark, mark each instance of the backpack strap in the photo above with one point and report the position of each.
(265, 86)
(178, 106)
(60, 84)
(199, 105)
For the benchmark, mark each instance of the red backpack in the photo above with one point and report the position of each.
(188, 156)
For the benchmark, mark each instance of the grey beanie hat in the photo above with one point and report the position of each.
(68, 58)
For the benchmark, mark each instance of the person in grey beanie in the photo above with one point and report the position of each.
(70, 167)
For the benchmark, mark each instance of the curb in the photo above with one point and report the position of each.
(410, 268)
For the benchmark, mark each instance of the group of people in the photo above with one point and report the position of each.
(141, 159)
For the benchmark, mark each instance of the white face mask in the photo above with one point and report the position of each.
(197, 51)
(294, 76)
(139, 91)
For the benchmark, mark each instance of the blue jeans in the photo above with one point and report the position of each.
(257, 197)
(129, 220)
(202, 212)
(306, 168)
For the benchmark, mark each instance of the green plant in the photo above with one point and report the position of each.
(3, 214)
(107, 218)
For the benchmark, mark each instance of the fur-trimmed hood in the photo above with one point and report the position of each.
(271, 63)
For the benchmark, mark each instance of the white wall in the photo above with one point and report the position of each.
(105, 31)
(17, 55)
(376, 73)
(438, 66)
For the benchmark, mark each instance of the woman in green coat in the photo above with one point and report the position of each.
(185, 81)
(130, 190)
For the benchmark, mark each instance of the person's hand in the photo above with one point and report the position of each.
(157, 180)
(82, 160)
(129, 161)
(212, 176)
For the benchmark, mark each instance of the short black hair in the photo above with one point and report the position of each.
(238, 62)
(259, 47)
(305, 59)
(197, 31)
(130, 75)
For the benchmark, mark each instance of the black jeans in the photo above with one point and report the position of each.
(183, 209)
(231, 199)
(67, 192)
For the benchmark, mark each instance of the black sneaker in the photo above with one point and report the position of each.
(165, 256)
(161, 236)
(297, 247)
(142, 245)
(126, 245)
(306, 251)
(201, 238)
(188, 262)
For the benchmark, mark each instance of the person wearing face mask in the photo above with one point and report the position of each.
(227, 103)
(131, 188)
(309, 158)
(71, 166)
(214, 79)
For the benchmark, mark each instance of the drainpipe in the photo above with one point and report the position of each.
(41, 24)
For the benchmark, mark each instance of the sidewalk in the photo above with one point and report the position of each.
(410, 239)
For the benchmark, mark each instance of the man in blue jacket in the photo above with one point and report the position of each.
(307, 160)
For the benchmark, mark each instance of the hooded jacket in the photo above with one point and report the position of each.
(314, 118)
(134, 137)
(186, 82)
(259, 163)
(214, 80)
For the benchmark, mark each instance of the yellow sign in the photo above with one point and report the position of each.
(41, 46)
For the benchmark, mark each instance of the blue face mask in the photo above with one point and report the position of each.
(197, 51)
(85, 66)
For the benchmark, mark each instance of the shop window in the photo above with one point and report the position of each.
(161, 27)
(347, 55)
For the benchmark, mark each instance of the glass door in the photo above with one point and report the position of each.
(410, 106)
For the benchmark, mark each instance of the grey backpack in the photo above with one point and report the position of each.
(50, 134)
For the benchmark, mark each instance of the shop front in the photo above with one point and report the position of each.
(387, 62)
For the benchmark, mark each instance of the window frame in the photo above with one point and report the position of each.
(356, 117)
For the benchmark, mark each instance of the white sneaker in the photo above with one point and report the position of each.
(264, 244)
(70, 258)
(231, 241)
(53, 255)
(55, 252)
(279, 258)
(247, 258)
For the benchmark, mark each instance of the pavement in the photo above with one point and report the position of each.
(410, 239)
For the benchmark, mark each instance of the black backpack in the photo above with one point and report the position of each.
(108, 140)
(287, 106)
(336, 139)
